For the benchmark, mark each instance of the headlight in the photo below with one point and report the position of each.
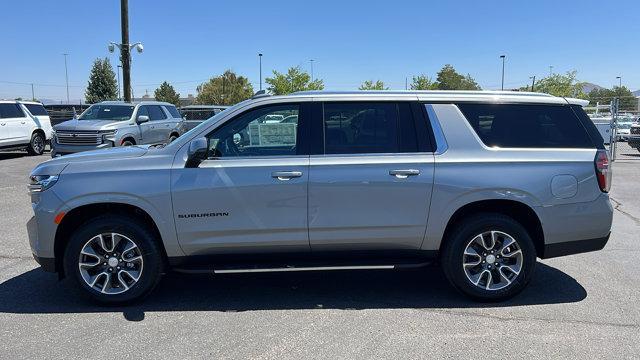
(40, 183)
(108, 135)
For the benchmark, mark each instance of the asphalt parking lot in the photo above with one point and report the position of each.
(582, 306)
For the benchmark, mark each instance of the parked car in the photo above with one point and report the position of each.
(62, 112)
(623, 130)
(194, 115)
(114, 123)
(481, 182)
(634, 136)
(24, 125)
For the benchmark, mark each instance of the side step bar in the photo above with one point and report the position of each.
(314, 268)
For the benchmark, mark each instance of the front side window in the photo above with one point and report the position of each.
(266, 131)
(108, 112)
(173, 111)
(8, 111)
(359, 128)
(526, 126)
(155, 113)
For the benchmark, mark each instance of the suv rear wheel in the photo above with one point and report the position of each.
(489, 257)
(113, 259)
(36, 145)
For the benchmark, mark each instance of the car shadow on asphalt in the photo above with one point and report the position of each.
(37, 292)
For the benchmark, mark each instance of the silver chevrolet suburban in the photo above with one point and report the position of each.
(115, 123)
(481, 182)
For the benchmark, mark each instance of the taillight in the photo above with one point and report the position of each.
(601, 163)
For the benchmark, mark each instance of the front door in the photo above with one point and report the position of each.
(371, 187)
(12, 124)
(250, 195)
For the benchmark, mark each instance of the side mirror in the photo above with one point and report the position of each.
(197, 152)
(142, 119)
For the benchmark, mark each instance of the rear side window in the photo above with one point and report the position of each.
(156, 113)
(10, 111)
(526, 126)
(368, 127)
(173, 111)
(36, 109)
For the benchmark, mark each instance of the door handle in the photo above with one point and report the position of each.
(286, 175)
(23, 122)
(404, 173)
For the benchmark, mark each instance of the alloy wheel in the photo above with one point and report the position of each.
(110, 263)
(492, 260)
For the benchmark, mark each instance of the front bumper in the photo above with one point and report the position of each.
(59, 150)
(634, 141)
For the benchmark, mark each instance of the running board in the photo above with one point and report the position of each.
(313, 268)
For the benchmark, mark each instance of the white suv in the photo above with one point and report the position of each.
(24, 124)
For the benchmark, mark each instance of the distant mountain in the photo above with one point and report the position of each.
(588, 87)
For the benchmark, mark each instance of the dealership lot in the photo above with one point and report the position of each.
(582, 305)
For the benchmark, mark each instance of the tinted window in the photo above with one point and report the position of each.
(107, 112)
(173, 111)
(142, 111)
(357, 128)
(191, 114)
(271, 130)
(10, 111)
(36, 109)
(155, 112)
(526, 126)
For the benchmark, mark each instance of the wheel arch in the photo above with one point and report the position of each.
(520, 212)
(77, 216)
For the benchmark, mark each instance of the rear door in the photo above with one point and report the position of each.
(370, 186)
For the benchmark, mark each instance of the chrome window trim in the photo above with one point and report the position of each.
(438, 134)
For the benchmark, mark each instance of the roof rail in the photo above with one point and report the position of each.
(260, 93)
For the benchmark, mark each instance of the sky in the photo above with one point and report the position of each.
(187, 42)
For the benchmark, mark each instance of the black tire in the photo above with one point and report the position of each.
(172, 138)
(454, 248)
(37, 144)
(136, 231)
(128, 142)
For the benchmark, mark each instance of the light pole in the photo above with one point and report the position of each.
(260, 57)
(550, 70)
(311, 61)
(33, 94)
(533, 82)
(118, 69)
(66, 75)
(502, 57)
(125, 49)
(619, 81)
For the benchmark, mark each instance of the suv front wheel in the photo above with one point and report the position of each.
(113, 259)
(489, 257)
(37, 144)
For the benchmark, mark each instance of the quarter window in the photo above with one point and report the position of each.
(266, 131)
(173, 111)
(526, 126)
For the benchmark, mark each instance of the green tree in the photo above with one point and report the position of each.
(604, 96)
(370, 85)
(226, 89)
(102, 82)
(294, 80)
(449, 79)
(423, 82)
(167, 93)
(565, 85)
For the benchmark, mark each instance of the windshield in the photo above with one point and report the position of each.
(108, 112)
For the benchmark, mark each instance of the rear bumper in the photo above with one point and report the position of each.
(574, 247)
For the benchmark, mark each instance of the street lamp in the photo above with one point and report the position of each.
(502, 57)
(533, 81)
(311, 61)
(125, 59)
(550, 70)
(66, 75)
(619, 81)
(260, 57)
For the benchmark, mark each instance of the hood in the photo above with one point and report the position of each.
(56, 165)
(75, 124)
